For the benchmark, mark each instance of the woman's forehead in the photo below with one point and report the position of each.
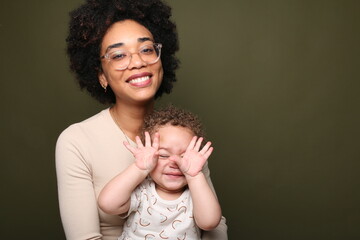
(127, 32)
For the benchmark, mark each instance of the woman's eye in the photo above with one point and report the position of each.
(118, 56)
(147, 51)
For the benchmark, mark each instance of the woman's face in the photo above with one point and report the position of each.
(139, 81)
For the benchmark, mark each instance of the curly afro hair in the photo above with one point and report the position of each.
(171, 115)
(88, 25)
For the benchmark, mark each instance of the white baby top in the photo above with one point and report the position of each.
(152, 218)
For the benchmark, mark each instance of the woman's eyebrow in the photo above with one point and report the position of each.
(144, 39)
(115, 45)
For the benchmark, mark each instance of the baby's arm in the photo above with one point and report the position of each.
(115, 196)
(207, 210)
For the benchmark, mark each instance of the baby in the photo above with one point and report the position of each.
(164, 193)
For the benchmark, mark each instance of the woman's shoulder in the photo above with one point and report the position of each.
(86, 127)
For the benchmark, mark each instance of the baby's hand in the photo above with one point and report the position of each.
(193, 160)
(145, 156)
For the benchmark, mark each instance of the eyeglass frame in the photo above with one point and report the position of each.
(157, 45)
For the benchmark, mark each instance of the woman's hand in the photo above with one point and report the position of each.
(146, 157)
(193, 160)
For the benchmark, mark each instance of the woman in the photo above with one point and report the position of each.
(123, 53)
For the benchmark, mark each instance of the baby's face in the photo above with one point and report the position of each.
(173, 141)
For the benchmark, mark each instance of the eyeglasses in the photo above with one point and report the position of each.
(120, 58)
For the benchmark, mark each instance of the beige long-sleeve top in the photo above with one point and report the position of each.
(89, 154)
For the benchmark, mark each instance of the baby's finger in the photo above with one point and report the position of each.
(205, 148)
(192, 143)
(208, 153)
(198, 144)
(147, 139)
(156, 140)
(129, 147)
(138, 142)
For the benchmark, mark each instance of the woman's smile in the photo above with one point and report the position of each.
(140, 80)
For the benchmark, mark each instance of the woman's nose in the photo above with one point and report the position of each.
(136, 61)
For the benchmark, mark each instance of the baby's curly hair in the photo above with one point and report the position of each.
(175, 117)
(88, 25)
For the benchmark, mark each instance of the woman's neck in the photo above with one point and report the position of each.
(131, 117)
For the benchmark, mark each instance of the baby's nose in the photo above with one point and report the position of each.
(172, 162)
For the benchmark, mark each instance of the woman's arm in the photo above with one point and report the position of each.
(77, 200)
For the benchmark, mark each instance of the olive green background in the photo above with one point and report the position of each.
(276, 84)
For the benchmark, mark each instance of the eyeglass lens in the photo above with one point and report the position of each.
(120, 58)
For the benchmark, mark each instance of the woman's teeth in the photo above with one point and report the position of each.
(139, 80)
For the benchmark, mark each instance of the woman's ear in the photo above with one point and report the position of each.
(103, 81)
